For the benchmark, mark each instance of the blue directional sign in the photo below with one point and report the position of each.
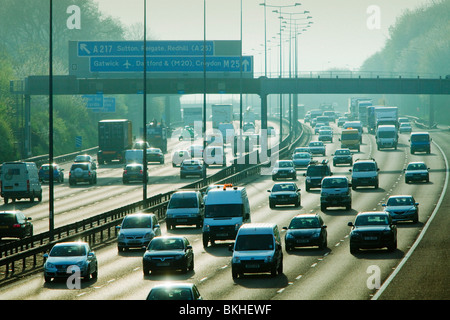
(136, 48)
(171, 64)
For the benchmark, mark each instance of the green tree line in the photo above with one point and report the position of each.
(24, 51)
(418, 44)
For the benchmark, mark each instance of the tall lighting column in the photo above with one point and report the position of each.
(50, 131)
(144, 107)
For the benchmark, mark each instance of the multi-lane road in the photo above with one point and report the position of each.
(309, 273)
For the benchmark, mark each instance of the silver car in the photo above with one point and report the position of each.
(137, 230)
(67, 258)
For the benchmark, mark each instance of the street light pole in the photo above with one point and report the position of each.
(144, 120)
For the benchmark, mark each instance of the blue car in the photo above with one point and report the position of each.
(44, 173)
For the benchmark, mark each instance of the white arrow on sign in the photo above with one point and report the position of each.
(245, 65)
(84, 48)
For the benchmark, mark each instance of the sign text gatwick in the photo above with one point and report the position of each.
(171, 64)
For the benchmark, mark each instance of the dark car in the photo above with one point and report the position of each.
(417, 171)
(14, 224)
(284, 193)
(82, 172)
(315, 173)
(342, 156)
(174, 291)
(306, 230)
(402, 208)
(192, 167)
(155, 155)
(133, 172)
(168, 253)
(373, 230)
(44, 173)
(284, 169)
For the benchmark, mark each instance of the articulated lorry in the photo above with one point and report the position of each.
(114, 138)
(157, 135)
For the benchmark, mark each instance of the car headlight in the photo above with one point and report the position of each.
(121, 236)
(289, 236)
(148, 235)
(325, 194)
(81, 264)
(293, 196)
(236, 260)
(308, 179)
(50, 265)
(206, 228)
(292, 171)
(268, 259)
(316, 235)
(274, 171)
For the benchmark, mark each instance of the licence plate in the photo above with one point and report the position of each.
(163, 264)
(182, 220)
(8, 187)
(222, 234)
(252, 265)
(302, 240)
(370, 238)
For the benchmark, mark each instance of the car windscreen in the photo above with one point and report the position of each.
(223, 210)
(189, 201)
(304, 223)
(334, 183)
(400, 201)
(386, 134)
(315, 171)
(170, 294)
(371, 220)
(68, 251)
(254, 242)
(161, 244)
(137, 222)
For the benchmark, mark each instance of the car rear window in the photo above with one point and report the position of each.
(7, 218)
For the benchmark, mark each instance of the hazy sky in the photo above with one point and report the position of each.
(343, 34)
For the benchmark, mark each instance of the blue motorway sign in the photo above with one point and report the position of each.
(136, 48)
(171, 64)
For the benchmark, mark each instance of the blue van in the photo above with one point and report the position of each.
(420, 141)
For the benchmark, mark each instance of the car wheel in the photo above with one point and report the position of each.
(95, 273)
(48, 279)
(234, 274)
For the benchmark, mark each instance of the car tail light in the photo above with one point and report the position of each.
(141, 172)
(28, 185)
(17, 225)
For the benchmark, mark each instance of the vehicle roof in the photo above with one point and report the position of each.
(248, 228)
(80, 243)
(183, 285)
(10, 211)
(306, 215)
(335, 177)
(401, 196)
(368, 213)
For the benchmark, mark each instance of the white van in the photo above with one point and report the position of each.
(257, 249)
(20, 180)
(386, 137)
(185, 208)
(226, 210)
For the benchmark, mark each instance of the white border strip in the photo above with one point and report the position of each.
(416, 243)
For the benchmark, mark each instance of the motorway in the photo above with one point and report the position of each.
(308, 274)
